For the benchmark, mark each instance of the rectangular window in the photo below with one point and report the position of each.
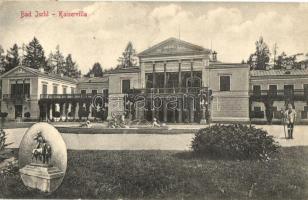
(273, 90)
(55, 89)
(304, 115)
(44, 89)
(256, 90)
(224, 83)
(288, 90)
(306, 90)
(94, 92)
(257, 109)
(18, 89)
(64, 90)
(83, 92)
(125, 86)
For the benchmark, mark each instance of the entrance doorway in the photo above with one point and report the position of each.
(18, 111)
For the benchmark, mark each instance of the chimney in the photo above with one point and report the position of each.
(214, 56)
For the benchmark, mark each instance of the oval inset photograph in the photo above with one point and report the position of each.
(42, 158)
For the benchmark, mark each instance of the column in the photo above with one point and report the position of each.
(191, 111)
(46, 112)
(76, 116)
(62, 111)
(165, 76)
(180, 73)
(180, 112)
(191, 69)
(51, 106)
(165, 110)
(154, 76)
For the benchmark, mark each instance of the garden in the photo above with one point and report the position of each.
(226, 162)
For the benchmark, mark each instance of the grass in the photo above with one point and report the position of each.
(173, 175)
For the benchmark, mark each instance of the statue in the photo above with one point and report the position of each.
(42, 152)
(42, 158)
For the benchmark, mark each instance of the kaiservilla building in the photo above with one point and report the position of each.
(175, 82)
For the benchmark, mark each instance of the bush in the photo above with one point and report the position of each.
(234, 142)
(56, 114)
(3, 114)
(27, 115)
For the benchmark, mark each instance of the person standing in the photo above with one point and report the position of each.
(290, 116)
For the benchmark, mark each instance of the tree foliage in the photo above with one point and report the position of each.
(71, 68)
(12, 58)
(2, 60)
(35, 56)
(261, 57)
(97, 70)
(129, 58)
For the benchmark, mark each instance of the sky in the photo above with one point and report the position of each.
(231, 29)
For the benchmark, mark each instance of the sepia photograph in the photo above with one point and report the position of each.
(153, 100)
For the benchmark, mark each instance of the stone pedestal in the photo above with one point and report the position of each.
(41, 176)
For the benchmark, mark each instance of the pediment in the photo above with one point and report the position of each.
(18, 71)
(173, 46)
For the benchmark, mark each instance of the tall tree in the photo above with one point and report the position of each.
(2, 60)
(71, 67)
(59, 62)
(129, 58)
(50, 63)
(12, 58)
(97, 70)
(261, 57)
(35, 57)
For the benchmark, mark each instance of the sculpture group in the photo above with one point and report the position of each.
(42, 152)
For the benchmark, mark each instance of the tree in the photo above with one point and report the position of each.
(59, 62)
(97, 70)
(283, 61)
(12, 58)
(129, 58)
(35, 57)
(261, 57)
(2, 60)
(50, 63)
(71, 69)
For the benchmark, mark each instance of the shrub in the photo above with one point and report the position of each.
(3, 114)
(234, 142)
(27, 115)
(56, 114)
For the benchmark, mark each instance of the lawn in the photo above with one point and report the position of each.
(173, 175)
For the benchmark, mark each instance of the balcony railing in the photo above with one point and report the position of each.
(297, 94)
(170, 90)
(69, 96)
(16, 96)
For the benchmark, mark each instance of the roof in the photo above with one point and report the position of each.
(124, 70)
(43, 74)
(163, 48)
(93, 80)
(279, 72)
(227, 65)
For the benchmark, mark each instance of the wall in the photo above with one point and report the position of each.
(115, 82)
(230, 105)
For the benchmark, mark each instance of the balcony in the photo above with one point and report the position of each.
(69, 96)
(10, 97)
(182, 90)
(279, 95)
